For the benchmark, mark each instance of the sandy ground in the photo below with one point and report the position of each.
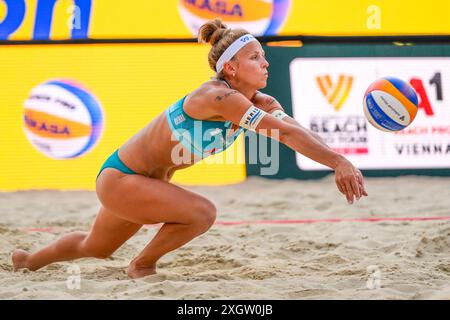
(322, 260)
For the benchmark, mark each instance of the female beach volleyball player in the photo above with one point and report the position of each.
(133, 184)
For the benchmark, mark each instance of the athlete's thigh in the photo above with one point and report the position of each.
(146, 200)
(109, 232)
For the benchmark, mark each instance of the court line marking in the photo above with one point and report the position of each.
(334, 220)
(302, 221)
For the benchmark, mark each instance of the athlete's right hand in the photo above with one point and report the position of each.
(349, 180)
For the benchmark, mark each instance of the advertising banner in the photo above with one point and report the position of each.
(66, 108)
(327, 95)
(104, 19)
(322, 87)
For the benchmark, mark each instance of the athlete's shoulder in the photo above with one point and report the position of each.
(212, 92)
(199, 104)
(213, 87)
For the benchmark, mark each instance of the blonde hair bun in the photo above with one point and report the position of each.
(211, 32)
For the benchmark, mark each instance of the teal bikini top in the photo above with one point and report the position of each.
(201, 137)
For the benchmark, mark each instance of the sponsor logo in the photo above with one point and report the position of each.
(218, 7)
(335, 93)
(344, 134)
(245, 39)
(179, 119)
(251, 117)
(259, 17)
(439, 148)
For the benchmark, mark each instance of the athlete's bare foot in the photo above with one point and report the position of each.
(19, 259)
(138, 272)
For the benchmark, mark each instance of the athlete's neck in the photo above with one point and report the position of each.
(226, 82)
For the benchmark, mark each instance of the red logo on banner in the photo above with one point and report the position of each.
(424, 102)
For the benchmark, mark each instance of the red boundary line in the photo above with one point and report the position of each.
(304, 221)
(334, 220)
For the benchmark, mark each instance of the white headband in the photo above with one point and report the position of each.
(233, 49)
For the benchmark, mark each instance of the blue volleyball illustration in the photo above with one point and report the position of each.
(62, 119)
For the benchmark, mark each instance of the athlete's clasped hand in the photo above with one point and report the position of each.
(349, 181)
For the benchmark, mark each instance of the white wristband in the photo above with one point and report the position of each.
(251, 118)
(279, 114)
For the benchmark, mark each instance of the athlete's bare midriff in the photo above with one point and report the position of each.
(149, 151)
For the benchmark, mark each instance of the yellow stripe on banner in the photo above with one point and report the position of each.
(367, 17)
(163, 19)
(285, 43)
(332, 95)
(321, 86)
(345, 92)
(137, 19)
(338, 97)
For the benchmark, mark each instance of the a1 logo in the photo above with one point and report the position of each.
(424, 102)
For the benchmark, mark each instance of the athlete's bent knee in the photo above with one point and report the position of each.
(206, 215)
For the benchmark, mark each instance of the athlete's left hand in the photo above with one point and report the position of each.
(350, 181)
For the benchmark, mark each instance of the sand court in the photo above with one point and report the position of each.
(273, 239)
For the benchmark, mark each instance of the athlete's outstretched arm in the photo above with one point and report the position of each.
(271, 105)
(235, 107)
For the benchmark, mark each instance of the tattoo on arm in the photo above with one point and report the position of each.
(220, 98)
(268, 101)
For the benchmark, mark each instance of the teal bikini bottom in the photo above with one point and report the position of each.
(114, 162)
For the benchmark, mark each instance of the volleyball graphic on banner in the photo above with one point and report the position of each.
(259, 17)
(62, 119)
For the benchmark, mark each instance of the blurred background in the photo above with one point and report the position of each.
(79, 78)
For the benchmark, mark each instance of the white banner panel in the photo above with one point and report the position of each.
(327, 97)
